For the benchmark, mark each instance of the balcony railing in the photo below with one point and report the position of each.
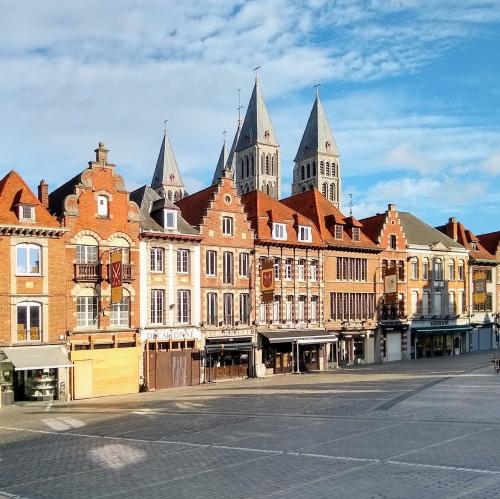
(87, 271)
(127, 274)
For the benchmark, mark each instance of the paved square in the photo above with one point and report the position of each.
(421, 429)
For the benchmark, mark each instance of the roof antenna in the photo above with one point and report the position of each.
(165, 126)
(240, 107)
(350, 205)
(317, 88)
(256, 72)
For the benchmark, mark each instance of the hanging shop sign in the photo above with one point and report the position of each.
(479, 286)
(116, 277)
(391, 285)
(267, 280)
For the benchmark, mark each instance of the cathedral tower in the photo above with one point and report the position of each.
(317, 162)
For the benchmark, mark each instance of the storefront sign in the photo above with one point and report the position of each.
(267, 280)
(479, 282)
(170, 334)
(116, 277)
(391, 285)
(442, 322)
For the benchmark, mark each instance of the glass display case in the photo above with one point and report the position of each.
(41, 384)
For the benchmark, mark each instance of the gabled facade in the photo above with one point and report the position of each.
(170, 293)
(291, 326)
(226, 266)
(100, 220)
(317, 162)
(257, 163)
(32, 296)
(482, 309)
(350, 292)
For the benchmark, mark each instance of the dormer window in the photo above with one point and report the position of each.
(102, 206)
(305, 234)
(473, 245)
(338, 231)
(279, 231)
(27, 213)
(355, 234)
(170, 219)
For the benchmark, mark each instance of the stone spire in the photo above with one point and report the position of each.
(231, 159)
(167, 180)
(317, 162)
(221, 164)
(257, 155)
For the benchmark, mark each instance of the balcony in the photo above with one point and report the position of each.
(87, 272)
(127, 274)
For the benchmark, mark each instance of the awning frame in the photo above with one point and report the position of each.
(23, 357)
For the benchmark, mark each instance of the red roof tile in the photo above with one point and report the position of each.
(490, 241)
(373, 225)
(194, 207)
(14, 191)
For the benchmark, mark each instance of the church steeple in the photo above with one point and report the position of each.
(317, 162)
(257, 157)
(221, 164)
(167, 180)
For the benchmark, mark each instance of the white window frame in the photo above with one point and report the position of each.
(244, 264)
(87, 312)
(120, 313)
(414, 268)
(211, 263)
(157, 306)
(339, 232)
(228, 308)
(313, 270)
(305, 234)
(183, 306)
(279, 231)
(157, 260)
(173, 215)
(22, 213)
(301, 312)
(183, 261)
(276, 308)
(27, 332)
(28, 248)
(212, 309)
(245, 308)
(288, 268)
(102, 206)
(314, 308)
(227, 226)
(356, 234)
(301, 269)
(289, 308)
(228, 267)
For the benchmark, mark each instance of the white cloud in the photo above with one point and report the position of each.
(491, 165)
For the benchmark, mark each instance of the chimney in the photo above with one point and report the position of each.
(43, 193)
(391, 207)
(453, 228)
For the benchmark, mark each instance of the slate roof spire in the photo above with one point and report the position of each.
(221, 164)
(318, 136)
(166, 175)
(257, 126)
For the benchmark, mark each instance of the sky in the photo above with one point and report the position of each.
(410, 87)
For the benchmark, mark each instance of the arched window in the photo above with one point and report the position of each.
(102, 206)
(308, 170)
(29, 321)
(272, 166)
(322, 168)
(267, 164)
(176, 197)
(29, 257)
(268, 189)
(314, 169)
(438, 269)
(334, 169)
(332, 192)
(242, 169)
(263, 164)
(248, 165)
(303, 171)
(328, 169)
(253, 164)
(169, 195)
(324, 190)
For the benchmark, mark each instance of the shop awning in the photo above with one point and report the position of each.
(301, 336)
(442, 329)
(37, 357)
(228, 347)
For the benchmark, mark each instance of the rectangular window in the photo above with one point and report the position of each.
(414, 303)
(276, 308)
(28, 259)
(338, 231)
(27, 213)
(245, 308)
(289, 308)
(355, 234)
(211, 262)
(157, 259)
(426, 303)
(183, 306)
(438, 270)
(228, 309)
(301, 316)
(102, 206)
(28, 322)
(350, 306)
(86, 311)
(305, 234)
(170, 219)
(182, 261)
(279, 231)
(461, 271)
(277, 265)
(244, 264)
(301, 269)
(212, 309)
(438, 304)
(120, 313)
(352, 269)
(288, 268)
(451, 303)
(314, 309)
(425, 269)
(86, 253)
(227, 268)
(157, 306)
(451, 270)
(227, 226)
(262, 313)
(393, 242)
(313, 270)
(401, 270)
(414, 269)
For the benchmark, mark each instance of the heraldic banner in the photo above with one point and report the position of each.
(267, 280)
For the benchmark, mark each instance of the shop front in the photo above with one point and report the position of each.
(481, 338)
(34, 373)
(394, 340)
(172, 357)
(296, 351)
(229, 357)
(440, 340)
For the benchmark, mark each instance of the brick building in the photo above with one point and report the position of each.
(226, 269)
(99, 219)
(33, 358)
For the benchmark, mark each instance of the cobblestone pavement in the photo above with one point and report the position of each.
(421, 429)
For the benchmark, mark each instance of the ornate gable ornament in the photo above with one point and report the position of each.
(439, 246)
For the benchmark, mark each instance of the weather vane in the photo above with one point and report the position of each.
(256, 72)
(224, 135)
(317, 88)
(350, 205)
(165, 126)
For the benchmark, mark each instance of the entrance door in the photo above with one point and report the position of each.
(83, 378)
(393, 346)
(484, 335)
(174, 368)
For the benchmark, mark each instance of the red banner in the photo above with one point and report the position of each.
(116, 277)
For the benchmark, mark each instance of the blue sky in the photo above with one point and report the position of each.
(410, 88)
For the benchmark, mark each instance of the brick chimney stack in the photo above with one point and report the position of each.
(43, 193)
(453, 228)
(391, 207)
